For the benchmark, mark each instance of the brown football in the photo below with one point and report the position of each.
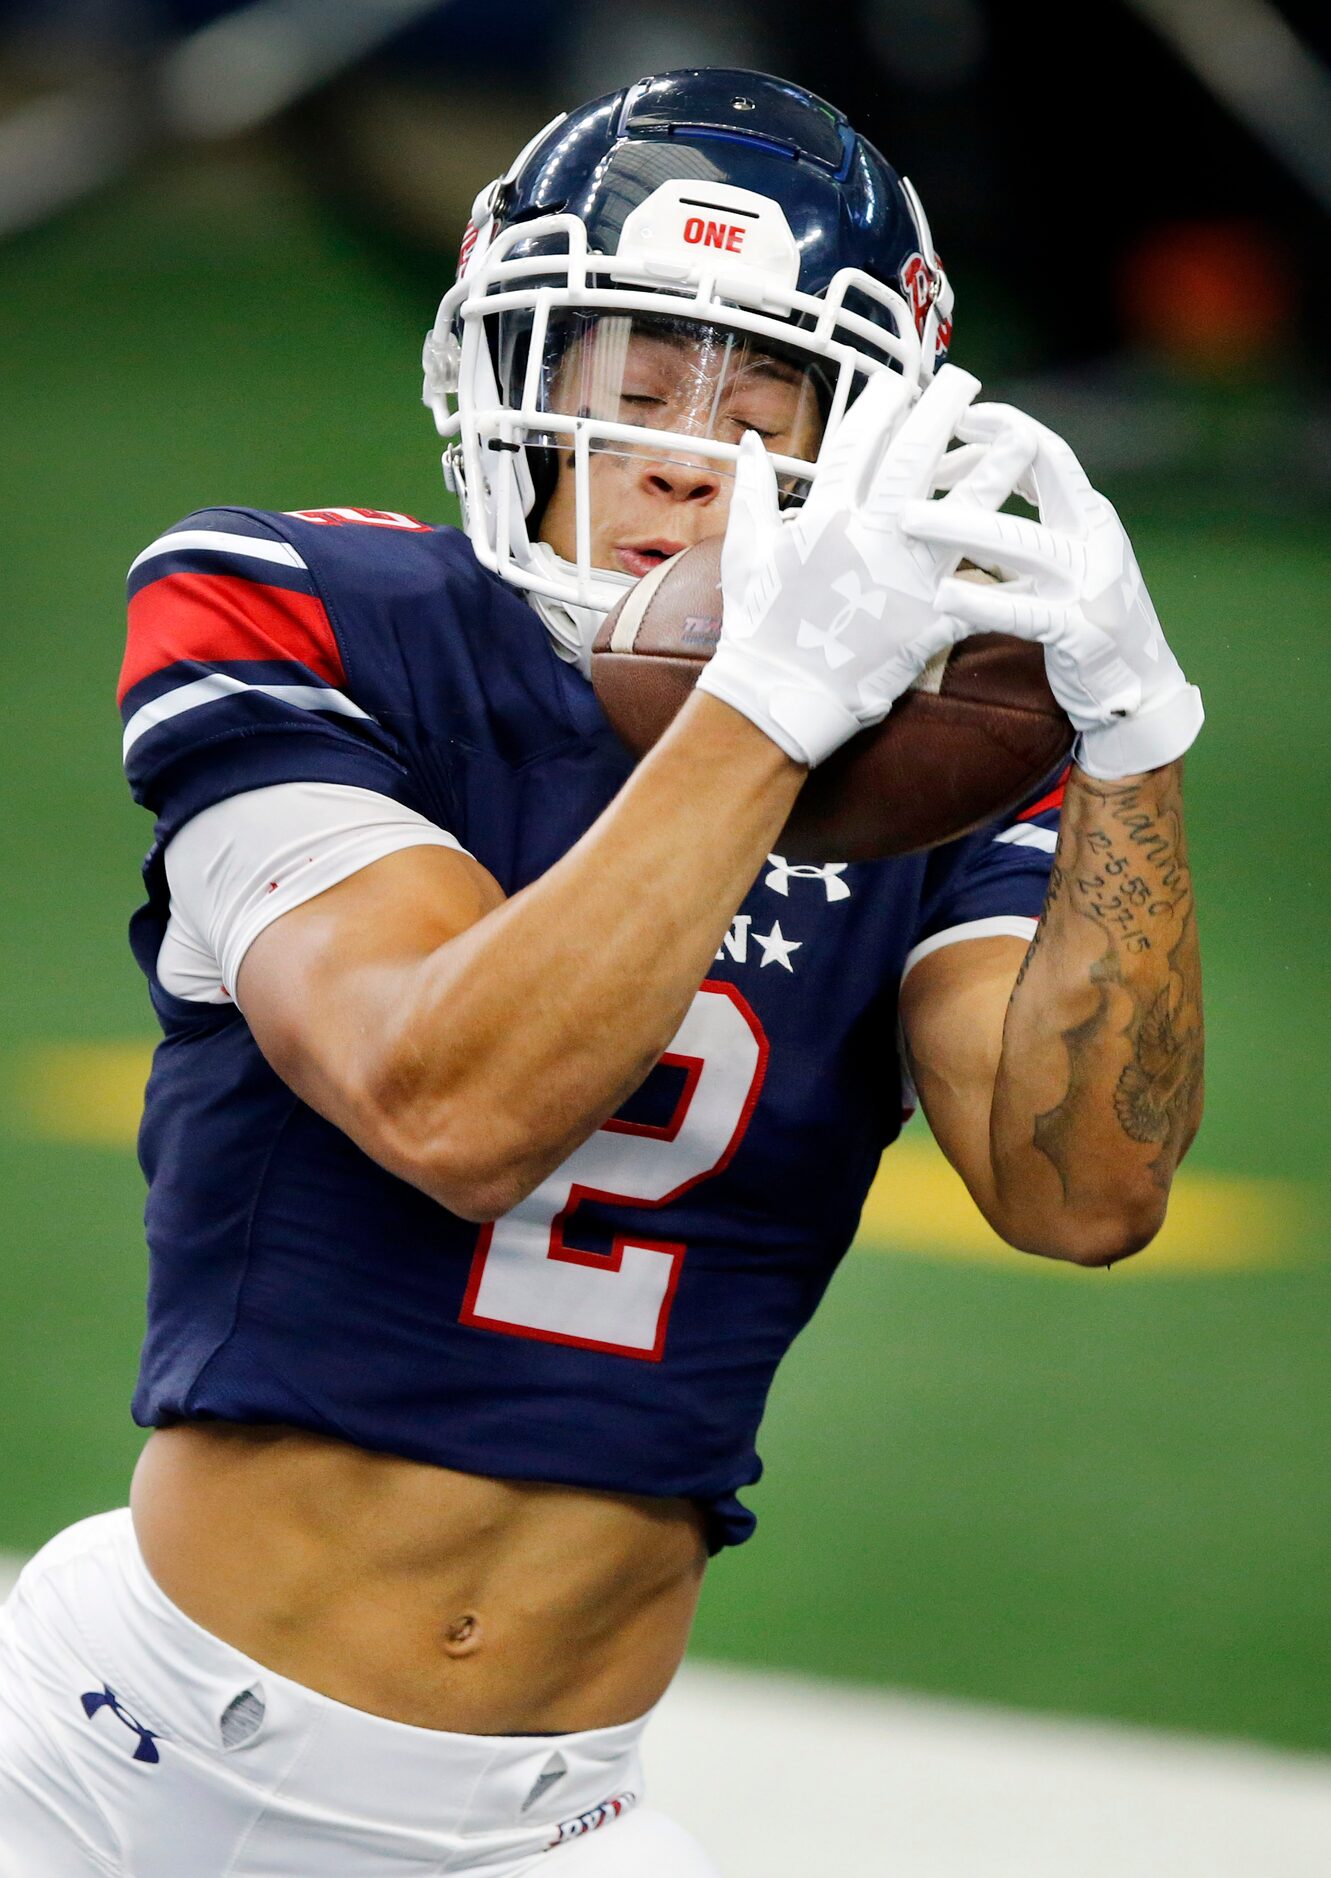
(975, 735)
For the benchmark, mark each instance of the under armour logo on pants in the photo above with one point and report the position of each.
(145, 1748)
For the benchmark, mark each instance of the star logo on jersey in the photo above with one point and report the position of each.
(97, 1699)
(858, 599)
(776, 947)
(784, 871)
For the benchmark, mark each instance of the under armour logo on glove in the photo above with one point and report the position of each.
(858, 599)
(829, 610)
(783, 872)
(96, 1700)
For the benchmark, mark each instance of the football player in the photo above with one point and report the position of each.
(515, 1105)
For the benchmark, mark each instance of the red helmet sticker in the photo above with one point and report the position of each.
(468, 243)
(920, 286)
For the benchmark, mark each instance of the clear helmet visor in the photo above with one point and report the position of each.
(569, 385)
(633, 421)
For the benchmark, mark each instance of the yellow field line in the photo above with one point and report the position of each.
(87, 1093)
(92, 1093)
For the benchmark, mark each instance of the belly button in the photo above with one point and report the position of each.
(462, 1635)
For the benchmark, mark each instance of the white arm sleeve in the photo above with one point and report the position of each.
(1001, 926)
(241, 864)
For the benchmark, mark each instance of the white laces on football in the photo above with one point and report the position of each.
(1071, 582)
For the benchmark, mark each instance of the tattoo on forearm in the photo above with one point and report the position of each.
(1054, 890)
(1122, 866)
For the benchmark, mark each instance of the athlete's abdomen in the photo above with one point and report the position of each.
(428, 1596)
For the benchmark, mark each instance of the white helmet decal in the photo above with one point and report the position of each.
(686, 228)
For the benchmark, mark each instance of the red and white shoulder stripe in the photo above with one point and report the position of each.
(215, 612)
(1029, 830)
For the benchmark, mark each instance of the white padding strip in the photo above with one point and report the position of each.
(1027, 835)
(222, 685)
(1001, 926)
(210, 541)
(241, 864)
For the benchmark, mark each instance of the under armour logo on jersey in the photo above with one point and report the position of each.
(555, 1769)
(829, 873)
(98, 1699)
(858, 599)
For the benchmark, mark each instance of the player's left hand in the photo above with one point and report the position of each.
(1071, 580)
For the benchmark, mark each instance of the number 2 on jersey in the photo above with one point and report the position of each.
(526, 1280)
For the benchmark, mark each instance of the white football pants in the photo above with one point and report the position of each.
(133, 1744)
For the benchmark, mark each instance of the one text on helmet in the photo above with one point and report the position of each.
(713, 234)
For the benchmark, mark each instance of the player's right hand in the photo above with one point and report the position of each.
(828, 611)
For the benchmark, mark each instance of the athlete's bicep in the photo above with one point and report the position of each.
(954, 1002)
(327, 984)
(311, 904)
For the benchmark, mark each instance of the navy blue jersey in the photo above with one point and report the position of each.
(620, 1328)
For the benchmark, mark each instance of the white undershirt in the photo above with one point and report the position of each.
(246, 861)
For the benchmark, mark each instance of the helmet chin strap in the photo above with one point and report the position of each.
(573, 628)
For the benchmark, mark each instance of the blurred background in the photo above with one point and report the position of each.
(223, 232)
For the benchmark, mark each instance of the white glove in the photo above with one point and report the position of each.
(1073, 584)
(828, 612)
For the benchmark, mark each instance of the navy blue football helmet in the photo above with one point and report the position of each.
(732, 215)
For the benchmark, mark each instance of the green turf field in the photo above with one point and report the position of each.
(1085, 1492)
